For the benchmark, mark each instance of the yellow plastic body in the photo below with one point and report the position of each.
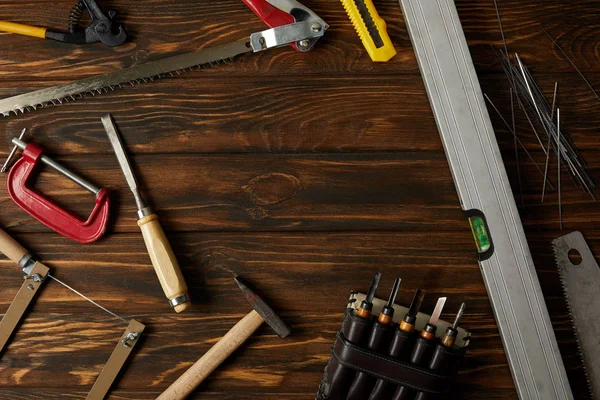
(385, 51)
(21, 29)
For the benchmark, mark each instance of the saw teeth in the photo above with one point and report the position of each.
(94, 92)
(560, 249)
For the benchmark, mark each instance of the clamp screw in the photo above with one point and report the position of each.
(304, 43)
(130, 336)
(101, 28)
(316, 27)
(12, 152)
(34, 277)
(30, 287)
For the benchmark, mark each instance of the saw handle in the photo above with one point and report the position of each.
(164, 260)
(269, 14)
(198, 372)
(11, 248)
(286, 12)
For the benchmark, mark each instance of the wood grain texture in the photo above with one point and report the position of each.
(304, 173)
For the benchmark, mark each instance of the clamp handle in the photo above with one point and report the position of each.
(48, 212)
(276, 13)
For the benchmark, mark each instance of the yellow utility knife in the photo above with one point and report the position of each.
(371, 29)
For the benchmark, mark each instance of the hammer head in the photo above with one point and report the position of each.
(263, 309)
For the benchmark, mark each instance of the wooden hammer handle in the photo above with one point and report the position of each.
(233, 339)
(11, 248)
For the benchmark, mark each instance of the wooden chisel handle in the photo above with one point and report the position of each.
(233, 339)
(164, 260)
(11, 248)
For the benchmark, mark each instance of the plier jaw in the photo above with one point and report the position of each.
(102, 28)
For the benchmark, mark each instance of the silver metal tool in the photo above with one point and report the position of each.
(119, 149)
(486, 197)
(581, 284)
(302, 33)
(160, 251)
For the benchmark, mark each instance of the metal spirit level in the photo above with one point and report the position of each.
(484, 191)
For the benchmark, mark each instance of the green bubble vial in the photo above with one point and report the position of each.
(480, 233)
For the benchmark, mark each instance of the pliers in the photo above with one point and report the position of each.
(101, 29)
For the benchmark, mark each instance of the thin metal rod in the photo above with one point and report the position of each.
(90, 187)
(12, 152)
(572, 63)
(537, 109)
(514, 126)
(512, 77)
(559, 194)
(88, 299)
(518, 140)
(549, 143)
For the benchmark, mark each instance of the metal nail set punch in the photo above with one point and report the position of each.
(102, 28)
(46, 211)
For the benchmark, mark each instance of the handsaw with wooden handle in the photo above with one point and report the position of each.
(580, 278)
(290, 22)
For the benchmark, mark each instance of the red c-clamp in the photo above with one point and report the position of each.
(44, 209)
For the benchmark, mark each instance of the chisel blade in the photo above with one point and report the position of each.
(117, 145)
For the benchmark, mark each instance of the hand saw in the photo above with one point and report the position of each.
(580, 280)
(36, 274)
(290, 22)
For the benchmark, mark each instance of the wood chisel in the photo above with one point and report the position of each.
(422, 347)
(379, 336)
(580, 278)
(441, 355)
(339, 373)
(486, 197)
(371, 29)
(401, 341)
(291, 24)
(160, 251)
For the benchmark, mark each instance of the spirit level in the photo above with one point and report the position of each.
(484, 191)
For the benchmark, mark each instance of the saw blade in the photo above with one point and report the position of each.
(167, 67)
(581, 285)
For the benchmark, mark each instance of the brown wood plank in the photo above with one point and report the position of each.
(294, 193)
(274, 192)
(155, 32)
(118, 275)
(359, 183)
(202, 114)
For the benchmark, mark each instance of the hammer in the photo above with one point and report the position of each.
(233, 339)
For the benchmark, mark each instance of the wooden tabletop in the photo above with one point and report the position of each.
(304, 173)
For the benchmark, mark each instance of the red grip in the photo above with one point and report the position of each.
(271, 15)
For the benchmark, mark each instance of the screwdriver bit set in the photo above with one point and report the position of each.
(386, 351)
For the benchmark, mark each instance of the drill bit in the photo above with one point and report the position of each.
(408, 323)
(367, 304)
(386, 315)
